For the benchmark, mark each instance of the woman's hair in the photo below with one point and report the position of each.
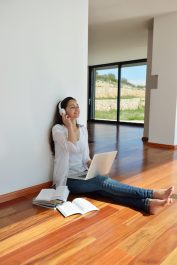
(58, 120)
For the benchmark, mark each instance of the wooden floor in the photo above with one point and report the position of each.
(112, 235)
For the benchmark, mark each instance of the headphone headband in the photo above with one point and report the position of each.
(59, 105)
(61, 110)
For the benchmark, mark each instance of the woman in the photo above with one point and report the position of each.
(69, 144)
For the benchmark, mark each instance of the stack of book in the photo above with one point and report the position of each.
(50, 198)
(57, 199)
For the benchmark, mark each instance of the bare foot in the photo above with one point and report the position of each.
(155, 205)
(163, 194)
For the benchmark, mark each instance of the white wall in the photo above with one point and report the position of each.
(117, 41)
(162, 122)
(43, 51)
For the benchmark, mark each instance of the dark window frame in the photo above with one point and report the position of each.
(90, 96)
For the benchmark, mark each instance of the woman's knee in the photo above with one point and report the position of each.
(101, 179)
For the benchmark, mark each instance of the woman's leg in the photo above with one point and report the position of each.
(108, 185)
(118, 192)
(148, 200)
(137, 203)
(116, 188)
(82, 186)
(124, 194)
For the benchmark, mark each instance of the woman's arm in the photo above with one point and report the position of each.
(61, 168)
(72, 137)
(60, 136)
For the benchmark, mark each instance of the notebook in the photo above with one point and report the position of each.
(100, 165)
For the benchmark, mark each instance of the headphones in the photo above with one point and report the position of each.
(61, 110)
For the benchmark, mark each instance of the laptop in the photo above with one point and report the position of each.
(100, 165)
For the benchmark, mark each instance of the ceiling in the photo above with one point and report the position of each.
(118, 29)
(114, 11)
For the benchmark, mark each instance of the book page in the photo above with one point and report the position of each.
(45, 195)
(84, 205)
(68, 208)
(61, 193)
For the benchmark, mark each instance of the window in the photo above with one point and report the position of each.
(106, 80)
(117, 92)
(132, 93)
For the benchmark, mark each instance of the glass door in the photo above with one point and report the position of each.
(105, 93)
(117, 92)
(132, 92)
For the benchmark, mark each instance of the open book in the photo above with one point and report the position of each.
(50, 198)
(77, 206)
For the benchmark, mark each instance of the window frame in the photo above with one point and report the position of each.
(91, 90)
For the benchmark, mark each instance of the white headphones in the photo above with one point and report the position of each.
(61, 110)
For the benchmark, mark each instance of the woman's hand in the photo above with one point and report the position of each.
(88, 163)
(67, 120)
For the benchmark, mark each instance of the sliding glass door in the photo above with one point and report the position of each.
(105, 93)
(117, 92)
(132, 93)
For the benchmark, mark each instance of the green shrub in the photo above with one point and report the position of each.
(125, 115)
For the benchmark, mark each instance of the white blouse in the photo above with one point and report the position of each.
(69, 158)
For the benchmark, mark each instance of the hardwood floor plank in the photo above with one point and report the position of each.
(162, 247)
(46, 234)
(61, 251)
(138, 241)
(171, 259)
(106, 239)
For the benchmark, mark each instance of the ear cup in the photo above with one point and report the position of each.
(61, 110)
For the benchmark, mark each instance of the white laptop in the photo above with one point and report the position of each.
(100, 165)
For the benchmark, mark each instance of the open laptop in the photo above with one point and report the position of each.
(100, 165)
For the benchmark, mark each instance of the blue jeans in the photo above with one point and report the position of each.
(123, 194)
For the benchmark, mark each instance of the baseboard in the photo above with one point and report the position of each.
(24, 192)
(163, 146)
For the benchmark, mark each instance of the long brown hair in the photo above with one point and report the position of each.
(58, 120)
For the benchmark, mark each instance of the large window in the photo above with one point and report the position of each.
(117, 92)
(106, 93)
(132, 93)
